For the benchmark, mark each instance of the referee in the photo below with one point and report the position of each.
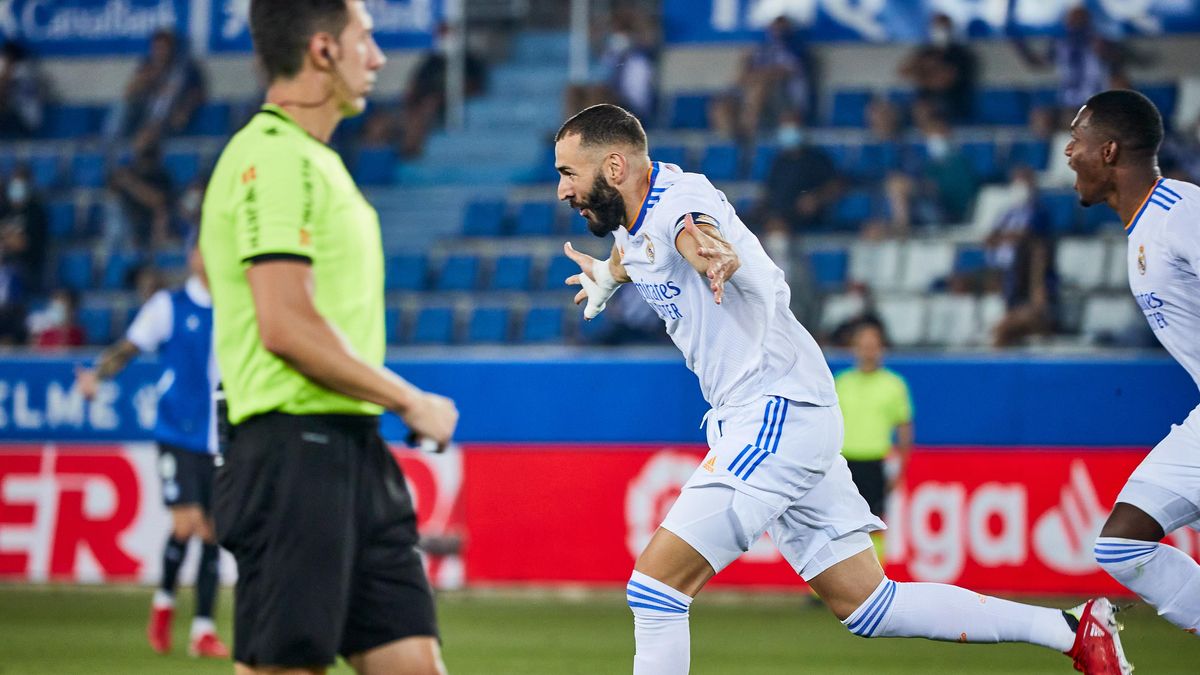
(309, 500)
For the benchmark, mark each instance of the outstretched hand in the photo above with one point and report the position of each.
(585, 263)
(722, 259)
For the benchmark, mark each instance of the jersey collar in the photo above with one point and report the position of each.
(1145, 202)
(647, 202)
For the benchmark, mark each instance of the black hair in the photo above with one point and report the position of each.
(1129, 118)
(603, 125)
(281, 30)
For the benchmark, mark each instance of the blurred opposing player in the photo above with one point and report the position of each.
(774, 430)
(178, 326)
(1114, 153)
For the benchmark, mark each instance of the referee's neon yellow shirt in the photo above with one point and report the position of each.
(277, 191)
(873, 405)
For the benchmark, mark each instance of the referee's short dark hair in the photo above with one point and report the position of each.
(1129, 118)
(281, 30)
(604, 124)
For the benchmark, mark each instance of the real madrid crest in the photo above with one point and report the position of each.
(1141, 259)
(649, 250)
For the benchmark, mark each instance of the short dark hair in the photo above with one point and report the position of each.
(1129, 118)
(604, 124)
(281, 30)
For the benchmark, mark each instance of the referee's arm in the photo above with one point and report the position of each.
(292, 329)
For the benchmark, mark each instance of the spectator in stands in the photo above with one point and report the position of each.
(1020, 256)
(936, 191)
(12, 306)
(801, 186)
(22, 93)
(57, 326)
(138, 208)
(1180, 154)
(1084, 61)
(627, 68)
(884, 122)
(161, 97)
(777, 76)
(943, 72)
(23, 230)
(424, 102)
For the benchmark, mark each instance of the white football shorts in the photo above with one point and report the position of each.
(774, 466)
(1166, 485)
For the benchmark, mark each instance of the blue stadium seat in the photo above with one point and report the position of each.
(406, 272)
(534, 219)
(170, 261)
(982, 158)
(488, 325)
(594, 331)
(484, 218)
(671, 154)
(875, 160)
(840, 154)
(1097, 219)
(512, 273)
(1033, 154)
(1044, 97)
(117, 269)
(1062, 208)
(182, 167)
(852, 209)
(720, 162)
(88, 169)
(969, 259)
(97, 324)
(689, 111)
(71, 121)
(557, 271)
(1004, 107)
(391, 323)
(210, 119)
(760, 166)
(829, 269)
(543, 324)
(1163, 96)
(375, 166)
(60, 216)
(459, 273)
(850, 109)
(45, 170)
(577, 224)
(434, 325)
(75, 269)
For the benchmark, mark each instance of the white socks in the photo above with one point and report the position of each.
(941, 612)
(660, 627)
(1162, 575)
(162, 599)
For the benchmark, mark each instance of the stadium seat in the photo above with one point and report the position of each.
(1043, 97)
(71, 121)
(904, 319)
(852, 209)
(210, 119)
(483, 218)
(1108, 316)
(488, 325)
(391, 323)
(1033, 154)
(543, 324)
(594, 331)
(875, 263)
(720, 162)
(433, 325)
(991, 310)
(1163, 96)
(60, 217)
(1116, 271)
(117, 269)
(170, 261)
(535, 219)
(1081, 263)
(406, 272)
(841, 154)
(182, 167)
(97, 324)
(1099, 219)
(953, 320)
(375, 166)
(557, 271)
(689, 111)
(1062, 208)
(875, 160)
(982, 158)
(838, 309)
(760, 165)
(512, 273)
(88, 170)
(459, 273)
(45, 171)
(924, 263)
(1002, 107)
(75, 269)
(969, 260)
(849, 109)
(829, 269)
(577, 224)
(671, 154)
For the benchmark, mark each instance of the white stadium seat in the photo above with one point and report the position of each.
(1109, 315)
(953, 320)
(1082, 263)
(904, 318)
(923, 262)
(876, 263)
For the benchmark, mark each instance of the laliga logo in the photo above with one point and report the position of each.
(651, 494)
(1063, 536)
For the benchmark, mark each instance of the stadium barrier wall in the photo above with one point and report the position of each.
(546, 491)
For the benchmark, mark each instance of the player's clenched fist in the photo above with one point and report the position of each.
(432, 417)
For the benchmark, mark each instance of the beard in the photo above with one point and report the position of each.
(606, 206)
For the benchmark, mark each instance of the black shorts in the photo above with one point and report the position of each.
(187, 476)
(868, 478)
(316, 511)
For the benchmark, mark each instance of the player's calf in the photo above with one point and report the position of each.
(660, 626)
(1162, 575)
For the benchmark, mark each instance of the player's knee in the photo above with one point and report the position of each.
(865, 619)
(1118, 555)
(651, 600)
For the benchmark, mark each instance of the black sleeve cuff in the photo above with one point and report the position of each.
(271, 257)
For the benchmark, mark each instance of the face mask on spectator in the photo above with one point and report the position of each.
(619, 42)
(18, 191)
(790, 136)
(940, 37)
(938, 147)
(189, 203)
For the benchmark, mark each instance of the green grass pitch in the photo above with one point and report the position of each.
(66, 630)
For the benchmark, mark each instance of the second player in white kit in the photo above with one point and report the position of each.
(774, 431)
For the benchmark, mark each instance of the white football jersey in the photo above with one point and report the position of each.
(1164, 264)
(749, 346)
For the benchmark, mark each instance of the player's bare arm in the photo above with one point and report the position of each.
(703, 246)
(292, 329)
(110, 362)
(599, 279)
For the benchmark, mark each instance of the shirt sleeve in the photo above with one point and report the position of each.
(278, 197)
(1183, 224)
(691, 200)
(153, 324)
